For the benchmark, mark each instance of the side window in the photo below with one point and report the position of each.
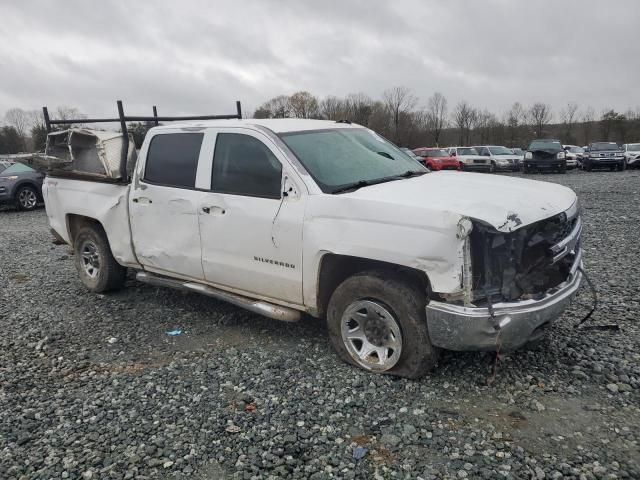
(172, 159)
(243, 165)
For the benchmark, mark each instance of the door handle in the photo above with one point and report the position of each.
(214, 210)
(142, 200)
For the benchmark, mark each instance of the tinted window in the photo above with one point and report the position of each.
(243, 165)
(173, 159)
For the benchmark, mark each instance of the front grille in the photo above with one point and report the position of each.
(520, 264)
(479, 161)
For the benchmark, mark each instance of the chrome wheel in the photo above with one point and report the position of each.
(90, 259)
(27, 198)
(371, 335)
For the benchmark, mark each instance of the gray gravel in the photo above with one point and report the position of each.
(91, 386)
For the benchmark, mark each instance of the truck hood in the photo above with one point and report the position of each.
(506, 203)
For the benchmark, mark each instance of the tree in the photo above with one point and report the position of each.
(515, 117)
(10, 140)
(69, 113)
(139, 130)
(18, 119)
(588, 116)
(569, 115)
(436, 115)
(398, 100)
(333, 108)
(359, 108)
(540, 115)
(463, 117)
(610, 122)
(304, 105)
(38, 138)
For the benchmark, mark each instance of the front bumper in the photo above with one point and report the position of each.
(456, 327)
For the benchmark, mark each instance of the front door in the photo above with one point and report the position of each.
(251, 232)
(163, 205)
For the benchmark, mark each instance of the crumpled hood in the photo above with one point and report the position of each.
(506, 203)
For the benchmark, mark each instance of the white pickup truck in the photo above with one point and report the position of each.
(288, 216)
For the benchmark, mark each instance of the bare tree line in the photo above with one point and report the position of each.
(402, 117)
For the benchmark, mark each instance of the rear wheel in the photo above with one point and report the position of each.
(377, 322)
(26, 198)
(97, 268)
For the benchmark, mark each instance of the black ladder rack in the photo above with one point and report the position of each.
(123, 119)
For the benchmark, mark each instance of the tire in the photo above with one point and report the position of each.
(588, 167)
(26, 198)
(387, 314)
(492, 168)
(97, 268)
(563, 168)
(622, 166)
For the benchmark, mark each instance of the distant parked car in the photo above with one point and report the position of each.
(411, 154)
(605, 155)
(470, 160)
(573, 155)
(545, 154)
(632, 154)
(502, 158)
(20, 185)
(437, 159)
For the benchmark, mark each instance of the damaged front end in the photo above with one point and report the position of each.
(515, 283)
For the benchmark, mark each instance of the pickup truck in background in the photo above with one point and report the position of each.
(290, 216)
(607, 155)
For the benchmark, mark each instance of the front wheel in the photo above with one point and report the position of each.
(377, 322)
(97, 268)
(26, 198)
(492, 168)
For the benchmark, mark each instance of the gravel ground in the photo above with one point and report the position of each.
(91, 386)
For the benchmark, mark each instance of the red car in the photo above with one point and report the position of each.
(437, 159)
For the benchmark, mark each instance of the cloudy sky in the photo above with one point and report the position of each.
(199, 57)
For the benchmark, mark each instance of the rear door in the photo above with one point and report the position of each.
(163, 204)
(251, 232)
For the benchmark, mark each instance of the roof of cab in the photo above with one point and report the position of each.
(277, 125)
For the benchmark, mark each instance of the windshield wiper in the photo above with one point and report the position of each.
(365, 183)
(352, 186)
(386, 155)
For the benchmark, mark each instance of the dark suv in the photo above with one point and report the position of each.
(604, 155)
(545, 154)
(20, 185)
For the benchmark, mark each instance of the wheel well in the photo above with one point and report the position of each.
(76, 222)
(27, 183)
(334, 269)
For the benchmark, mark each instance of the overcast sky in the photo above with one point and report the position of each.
(199, 57)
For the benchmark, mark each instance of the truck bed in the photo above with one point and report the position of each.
(102, 200)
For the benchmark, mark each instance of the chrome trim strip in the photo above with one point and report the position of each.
(568, 244)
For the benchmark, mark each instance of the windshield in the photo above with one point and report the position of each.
(17, 168)
(339, 157)
(599, 147)
(500, 151)
(633, 147)
(545, 145)
(576, 150)
(436, 152)
(517, 151)
(467, 151)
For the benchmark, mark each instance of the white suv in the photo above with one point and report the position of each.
(469, 159)
(501, 158)
(632, 154)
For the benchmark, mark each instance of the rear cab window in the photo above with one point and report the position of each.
(172, 159)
